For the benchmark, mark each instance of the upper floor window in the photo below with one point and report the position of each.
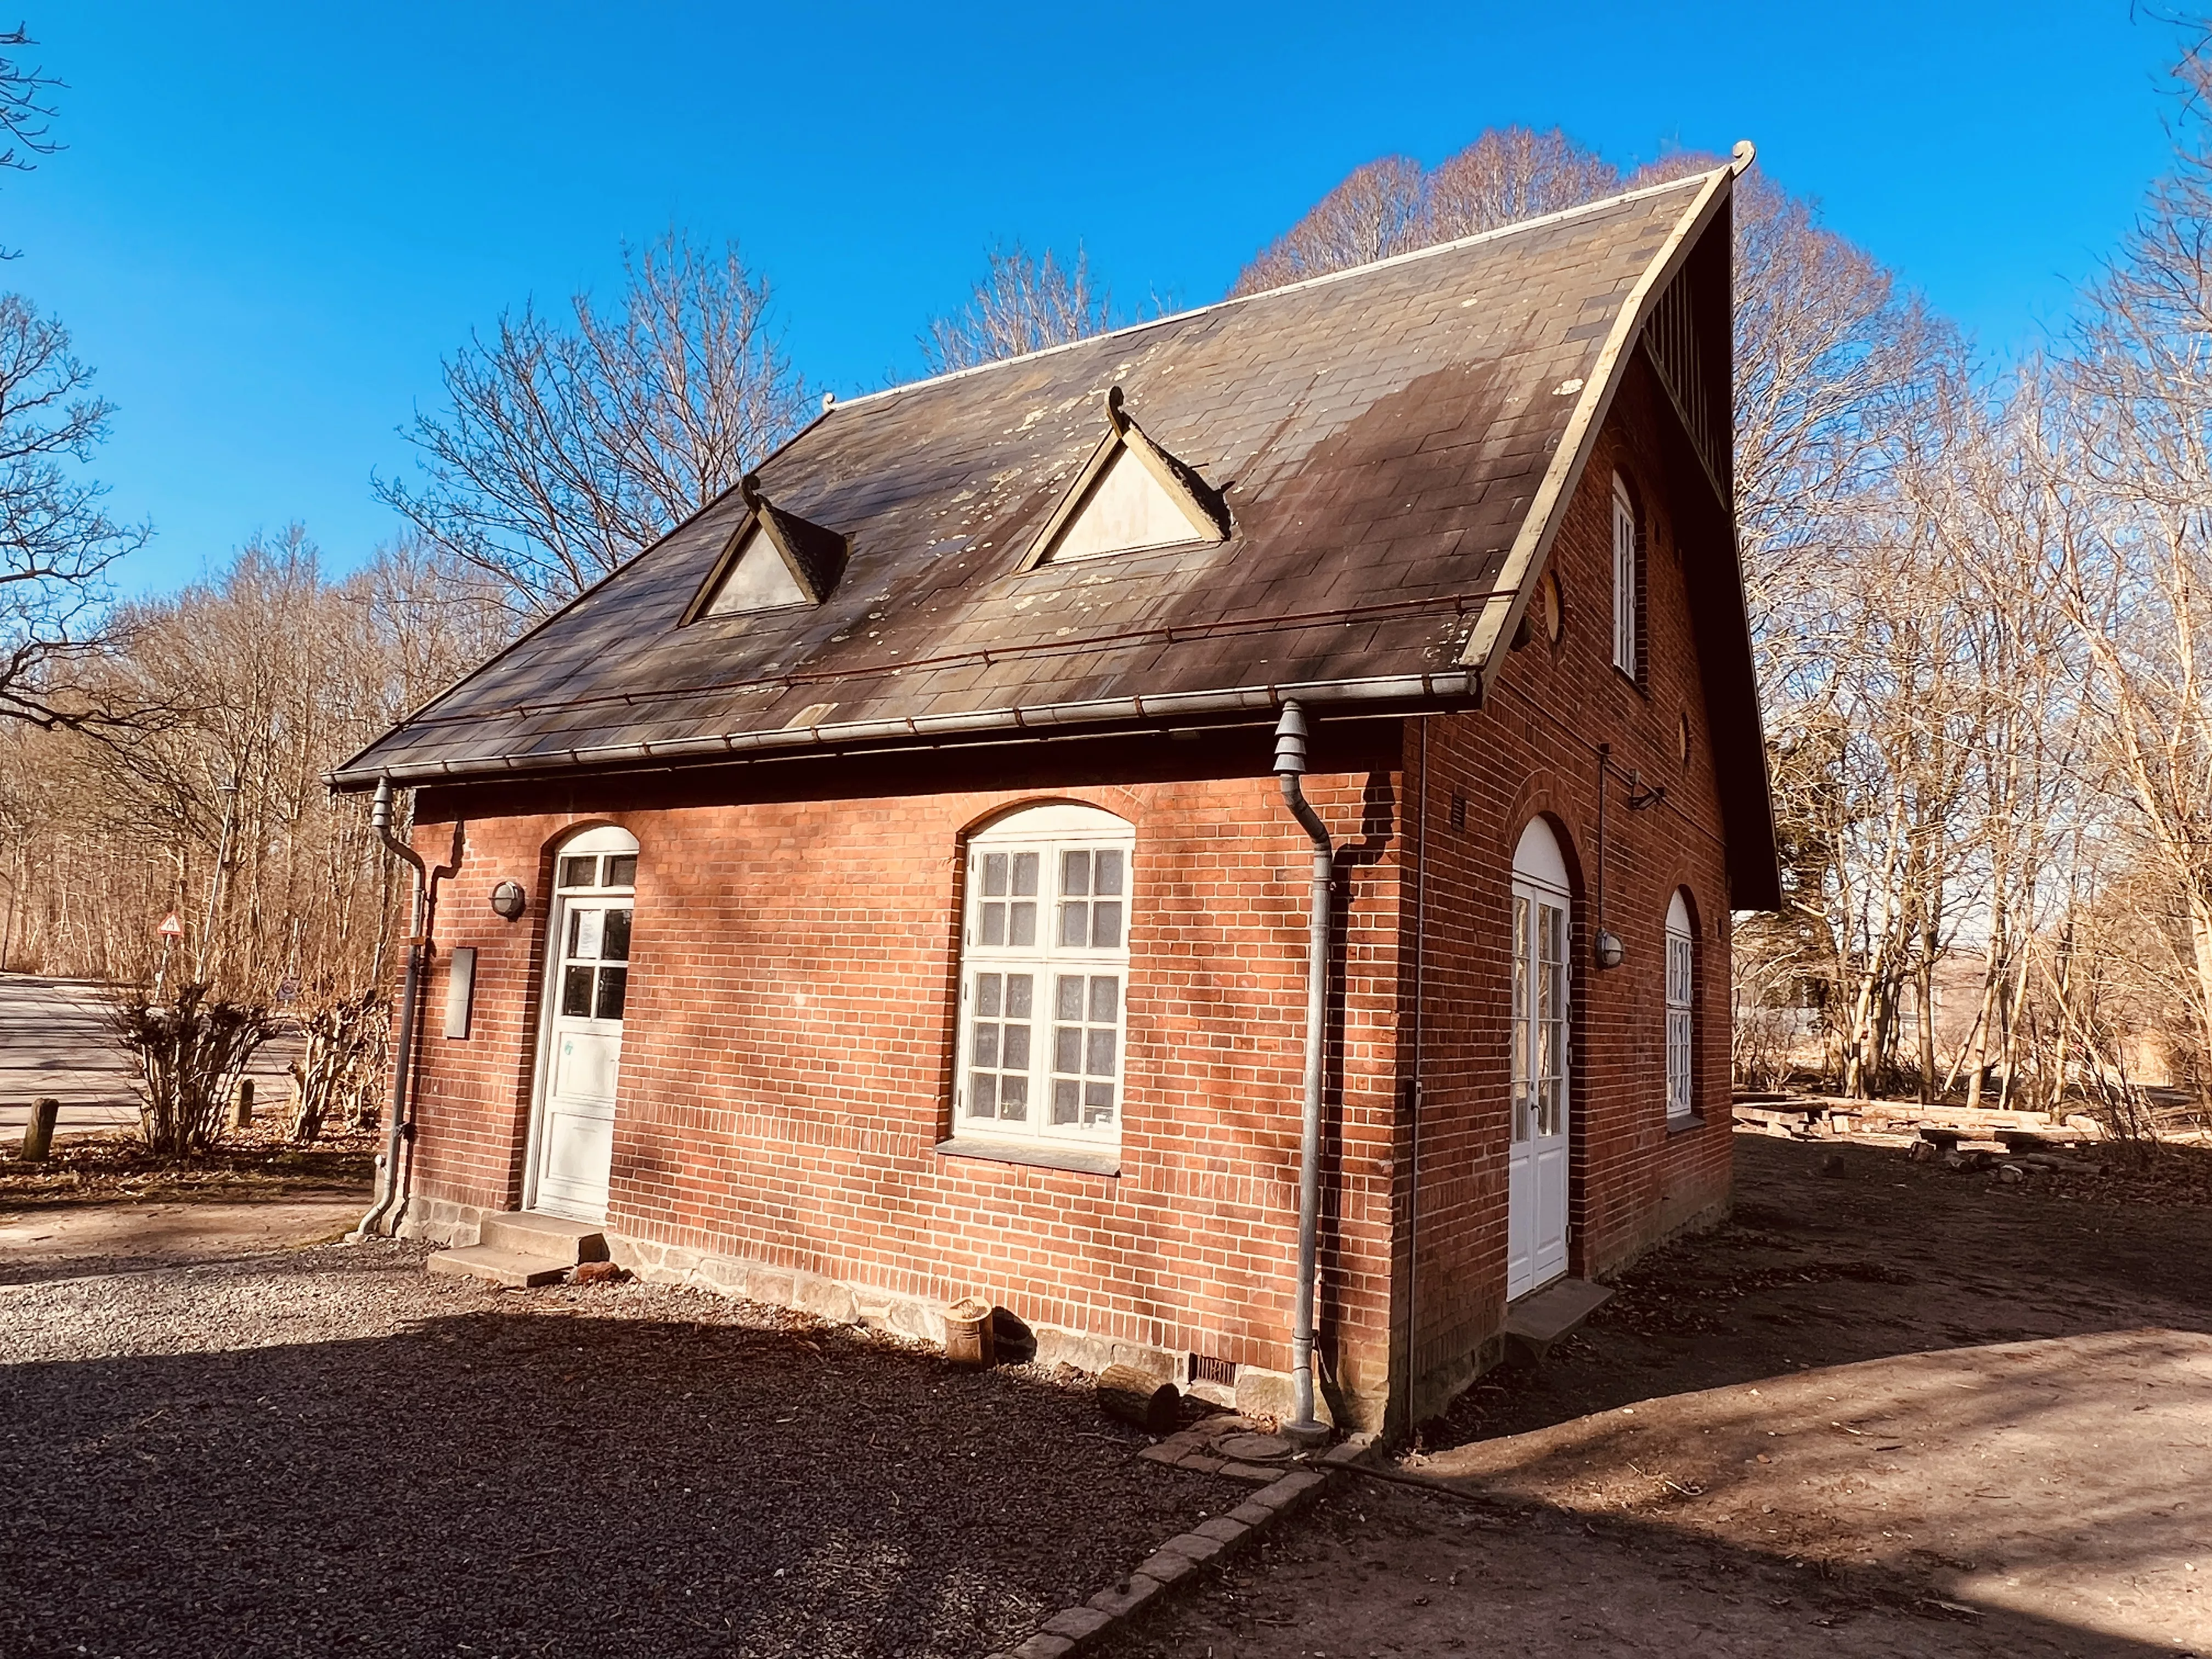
(1625, 581)
(1044, 972)
(1682, 1007)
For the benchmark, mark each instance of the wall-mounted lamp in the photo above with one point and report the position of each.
(509, 900)
(1607, 949)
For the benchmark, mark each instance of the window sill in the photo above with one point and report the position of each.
(1676, 1125)
(1084, 1161)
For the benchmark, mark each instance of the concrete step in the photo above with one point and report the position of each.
(510, 1268)
(1538, 1320)
(552, 1238)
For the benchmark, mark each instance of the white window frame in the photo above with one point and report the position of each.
(1681, 1013)
(1625, 573)
(1064, 1056)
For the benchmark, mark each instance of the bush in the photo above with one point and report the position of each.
(341, 1068)
(187, 1056)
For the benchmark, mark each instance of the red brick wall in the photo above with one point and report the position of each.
(788, 1047)
(1533, 751)
(788, 1042)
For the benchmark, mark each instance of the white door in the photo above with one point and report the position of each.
(588, 983)
(1536, 1165)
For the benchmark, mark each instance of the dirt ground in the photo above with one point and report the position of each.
(1887, 1410)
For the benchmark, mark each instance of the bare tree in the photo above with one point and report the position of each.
(1022, 304)
(56, 543)
(24, 112)
(1380, 209)
(567, 451)
(1512, 173)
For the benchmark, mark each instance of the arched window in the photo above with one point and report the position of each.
(1625, 580)
(1044, 971)
(1681, 1012)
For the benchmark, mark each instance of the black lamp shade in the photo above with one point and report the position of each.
(509, 900)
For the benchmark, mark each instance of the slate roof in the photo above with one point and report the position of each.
(1394, 443)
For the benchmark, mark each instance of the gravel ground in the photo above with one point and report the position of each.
(328, 1450)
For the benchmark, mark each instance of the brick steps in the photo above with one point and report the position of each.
(520, 1249)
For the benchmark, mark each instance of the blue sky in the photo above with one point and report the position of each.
(272, 220)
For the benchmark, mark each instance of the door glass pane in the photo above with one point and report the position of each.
(580, 873)
(615, 945)
(585, 928)
(621, 871)
(576, 993)
(614, 986)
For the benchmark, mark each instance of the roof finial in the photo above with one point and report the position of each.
(827, 398)
(1741, 157)
(748, 488)
(1115, 417)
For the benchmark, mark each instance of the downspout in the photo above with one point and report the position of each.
(1413, 1126)
(1290, 767)
(403, 1054)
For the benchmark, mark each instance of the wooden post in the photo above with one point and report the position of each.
(38, 1132)
(1135, 1397)
(241, 1111)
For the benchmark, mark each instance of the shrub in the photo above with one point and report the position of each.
(186, 1057)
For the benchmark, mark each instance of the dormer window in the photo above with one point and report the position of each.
(1132, 496)
(773, 562)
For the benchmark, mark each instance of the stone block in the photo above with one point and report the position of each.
(1165, 1566)
(1124, 1599)
(1258, 1474)
(1086, 1353)
(1354, 1450)
(679, 1261)
(1194, 1547)
(1153, 1362)
(771, 1287)
(922, 1321)
(1076, 1624)
(1263, 1394)
(1231, 1531)
(1044, 1645)
(1163, 1453)
(1252, 1512)
(1200, 1461)
(724, 1274)
(827, 1299)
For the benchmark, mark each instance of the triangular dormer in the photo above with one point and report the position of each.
(1132, 496)
(774, 560)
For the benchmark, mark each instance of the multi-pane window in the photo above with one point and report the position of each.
(1624, 581)
(1681, 986)
(596, 889)
(1045, 960)
(1539, 1015)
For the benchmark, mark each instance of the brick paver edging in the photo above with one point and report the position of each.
(1188, 1557)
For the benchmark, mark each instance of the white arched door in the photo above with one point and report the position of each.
(1536, 1164)
(580, 1054)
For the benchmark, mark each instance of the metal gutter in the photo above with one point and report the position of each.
(1456, 687)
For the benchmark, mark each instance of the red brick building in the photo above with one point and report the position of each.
(908, 909)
